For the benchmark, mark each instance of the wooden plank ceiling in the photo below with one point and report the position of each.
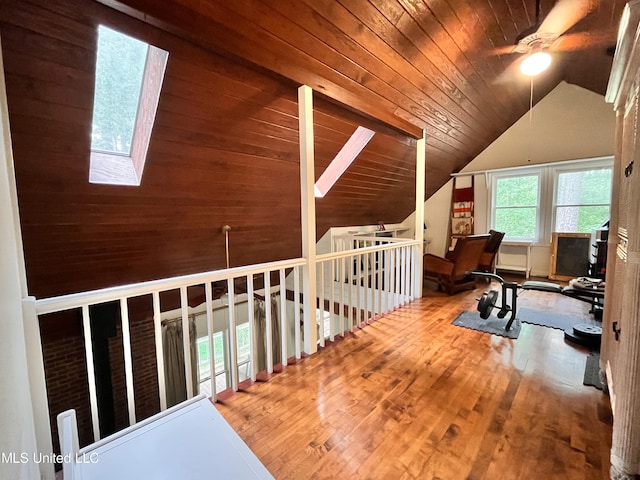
(224, 147)
(439, 65)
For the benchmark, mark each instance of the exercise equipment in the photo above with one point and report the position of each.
(584, 334)
(488, 301)
(585, 289)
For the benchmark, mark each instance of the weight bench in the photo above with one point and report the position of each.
(589, 290)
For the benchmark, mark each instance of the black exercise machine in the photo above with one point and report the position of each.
(584, 289)
(487, 301)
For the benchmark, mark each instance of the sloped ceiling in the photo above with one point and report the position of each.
(224, 147)
(439, 65)
(543, 137)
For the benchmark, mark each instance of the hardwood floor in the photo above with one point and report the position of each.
(413, 397)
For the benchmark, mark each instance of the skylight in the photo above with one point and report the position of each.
(342, 160)
(129, 76)
(119, 69)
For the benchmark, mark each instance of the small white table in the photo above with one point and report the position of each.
(189, 441)
(508, 247)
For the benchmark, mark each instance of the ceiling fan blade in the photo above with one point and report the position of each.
(565, 14)
(506, 50)
(581, 41)
(511, 75)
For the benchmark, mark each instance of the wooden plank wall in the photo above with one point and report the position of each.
(224, 150)
(378, 186)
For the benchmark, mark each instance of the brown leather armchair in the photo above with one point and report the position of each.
(488, 257)
(451, 272)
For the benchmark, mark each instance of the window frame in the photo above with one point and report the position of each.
(243, 353)
(495, 177)
(118, 169)
(557, 171)
(547, 199)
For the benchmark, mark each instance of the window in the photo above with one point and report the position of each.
(129, 76)
(530, 203)
(220, 355)
(516, 205)
(583, 199)
(204, 367)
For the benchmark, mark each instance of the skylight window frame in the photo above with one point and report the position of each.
(121, 169)
(341, 162)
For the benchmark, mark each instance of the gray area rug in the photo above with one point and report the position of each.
(591, 377)
(492, 324)
(551, 319)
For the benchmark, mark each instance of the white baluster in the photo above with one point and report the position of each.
(358, 309)
(283, 318)
(208, 295)
(388, 284)
(233, 342)
(296, 309)
(252, 330)
(378, 291)
(157, 328)
(332, 320)
(403, 275)
(320, 290)
(365, 286)
(91, 374)
(267, 307)
(343, 280)
(397, 277)
(186, 341)
(128, 364)
(350, 277)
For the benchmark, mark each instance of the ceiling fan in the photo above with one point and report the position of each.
(549, 35)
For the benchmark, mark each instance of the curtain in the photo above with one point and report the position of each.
(260, 327)
(173, 348)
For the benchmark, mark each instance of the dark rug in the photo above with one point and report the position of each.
(591, 377)
(551, 319)
(492, 324)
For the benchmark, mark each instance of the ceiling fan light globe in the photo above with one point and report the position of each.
(535, 64)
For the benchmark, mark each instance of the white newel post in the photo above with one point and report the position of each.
(37, 383)
(419, 216)
(23, 421)
(308, 217)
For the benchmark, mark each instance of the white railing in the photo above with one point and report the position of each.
(341, 243)
(84, 301)
(358, 284)
(353, 287)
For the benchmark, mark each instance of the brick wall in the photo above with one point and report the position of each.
(145, 375)
(66, 372)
